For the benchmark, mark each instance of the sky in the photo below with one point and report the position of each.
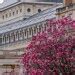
(8, 2)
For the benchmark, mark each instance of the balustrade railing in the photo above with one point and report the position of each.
(66, 8)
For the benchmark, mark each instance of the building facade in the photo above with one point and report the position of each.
(22, 10)
(68, 9)
(18, 23)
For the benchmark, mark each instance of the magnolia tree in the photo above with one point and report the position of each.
(52, 52)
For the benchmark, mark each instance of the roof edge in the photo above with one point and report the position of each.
(23, 2)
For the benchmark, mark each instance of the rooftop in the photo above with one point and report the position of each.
(42, 16)
(23, 2)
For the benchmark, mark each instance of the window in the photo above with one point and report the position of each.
(3, 16)
(3, 40)
(35, 29)
(40, 28)
(30, 31)
(20, 10)
(12, 37)
(17, 12)
(16, 35)
(6, 15)
(25, 32)
(0, 40)
(21, 34)
(9, 14)
(7, 38)
(13, 13)
(28, 10)
(39, 10)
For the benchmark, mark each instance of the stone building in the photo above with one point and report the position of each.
(22, 10)
(68, 9)
(18, 23)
